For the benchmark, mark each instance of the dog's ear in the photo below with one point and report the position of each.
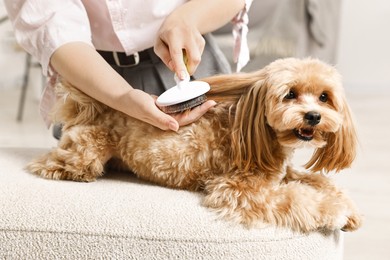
(253, 140)
(340, 150)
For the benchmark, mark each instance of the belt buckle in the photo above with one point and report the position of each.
(118, 62)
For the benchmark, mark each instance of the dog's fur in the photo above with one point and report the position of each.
(238, 153)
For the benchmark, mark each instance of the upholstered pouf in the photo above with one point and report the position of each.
(121, 217)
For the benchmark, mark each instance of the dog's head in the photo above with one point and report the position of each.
(295, 103)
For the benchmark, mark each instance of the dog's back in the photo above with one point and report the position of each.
(75, 107)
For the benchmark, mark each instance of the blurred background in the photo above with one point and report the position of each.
(351, 34)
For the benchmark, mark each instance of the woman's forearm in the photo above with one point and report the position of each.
(83, 67)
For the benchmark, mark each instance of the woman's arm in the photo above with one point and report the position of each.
(83, 67)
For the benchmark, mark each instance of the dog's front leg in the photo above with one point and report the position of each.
(240, 198)
(80, 155)
(326, 186)
(252, 200)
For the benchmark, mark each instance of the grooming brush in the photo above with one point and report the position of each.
(185, 95)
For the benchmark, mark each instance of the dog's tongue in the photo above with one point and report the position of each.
(307, 132)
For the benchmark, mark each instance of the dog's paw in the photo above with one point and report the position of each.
(347, 219)
(57, 171)
(59, 174)
(354, 222)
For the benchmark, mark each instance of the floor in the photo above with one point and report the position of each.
(368, 181)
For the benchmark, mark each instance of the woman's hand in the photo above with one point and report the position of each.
(145, 109)
(181, 32)
(175, 39)
(189, 116)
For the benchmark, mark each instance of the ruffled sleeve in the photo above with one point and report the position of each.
(240, 32)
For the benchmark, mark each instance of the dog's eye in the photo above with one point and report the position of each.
(323, 97)
(291, 95)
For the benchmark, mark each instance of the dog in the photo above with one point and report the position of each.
(238, 154)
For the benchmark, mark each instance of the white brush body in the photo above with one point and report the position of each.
(182, 92)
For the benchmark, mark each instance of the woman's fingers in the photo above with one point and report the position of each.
(190, 116)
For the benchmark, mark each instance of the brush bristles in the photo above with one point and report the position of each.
(183, 106)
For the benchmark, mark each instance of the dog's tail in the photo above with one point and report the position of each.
(74, 106)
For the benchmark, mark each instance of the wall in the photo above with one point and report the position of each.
(11, 56)
(364, 53)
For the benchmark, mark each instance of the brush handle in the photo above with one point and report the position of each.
(180, 83)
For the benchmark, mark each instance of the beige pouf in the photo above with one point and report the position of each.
(121, 217)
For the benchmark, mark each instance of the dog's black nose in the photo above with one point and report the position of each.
(312, 118)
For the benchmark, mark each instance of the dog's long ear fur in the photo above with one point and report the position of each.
(251, 136)
(340, 150)
(253, 142)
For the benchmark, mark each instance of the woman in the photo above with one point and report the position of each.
(120, 52)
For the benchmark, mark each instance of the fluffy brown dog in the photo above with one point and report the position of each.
(238, 153)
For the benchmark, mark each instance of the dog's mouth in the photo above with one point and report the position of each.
(305, 134)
